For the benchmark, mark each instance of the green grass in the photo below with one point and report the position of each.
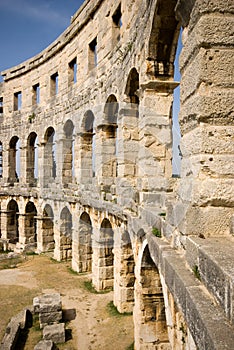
(196, 272)
(156, 232)
(130, 347)
(112, 310)
(89, 286)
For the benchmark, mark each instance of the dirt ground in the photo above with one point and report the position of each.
(91, 325)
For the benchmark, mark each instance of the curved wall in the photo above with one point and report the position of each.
(86, 155)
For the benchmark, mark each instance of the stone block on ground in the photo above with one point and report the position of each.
(47, 318)
(45, 345)
(55, 332)
(47, 303)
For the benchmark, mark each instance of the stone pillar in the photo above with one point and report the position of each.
(128, 143)
(102, 262)
(4, 218)
(84, 150)
(23, 164)
(155, 147)
(123, 272)
(23, 239)
(45, 234)
(82, 248)
(206, 119)
(106, 156)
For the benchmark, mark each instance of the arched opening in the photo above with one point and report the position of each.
(132, 88)
(161, 50)
(68, 152)
(49, 156)
(107, 257)
(124, 277)
(1, 159)
(12, 221)
(14, 159)
(66, 234)
(31, 159)
(149, 312)
(87, 148)
(85, 243)
(30, 226)
(48, 242)
(110, 130)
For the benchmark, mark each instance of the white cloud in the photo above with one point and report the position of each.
(39, 11)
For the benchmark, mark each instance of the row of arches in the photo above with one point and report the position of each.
(83, 152)
(116, 258)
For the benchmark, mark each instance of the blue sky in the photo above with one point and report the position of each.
(29, 26)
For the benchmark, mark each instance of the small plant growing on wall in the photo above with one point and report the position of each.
(196, 272)
(31, 117)
(156, 232)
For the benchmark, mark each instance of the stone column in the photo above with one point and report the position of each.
(123, 272)
(128, 147)
(45, 234)
(84, 151)
(155, 146)
(102, 262)
(206, 119)
(4, 218)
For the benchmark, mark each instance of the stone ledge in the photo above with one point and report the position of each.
(206, 320)
(214, 259)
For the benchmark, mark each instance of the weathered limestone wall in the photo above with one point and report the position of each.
(86, 169)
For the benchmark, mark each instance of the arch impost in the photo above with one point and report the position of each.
(159, 85)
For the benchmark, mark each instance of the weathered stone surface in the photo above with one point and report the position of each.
(45, 345)
(46, 318)
(47, 303)
(55, 332)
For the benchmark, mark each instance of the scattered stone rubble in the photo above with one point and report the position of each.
(49, 308)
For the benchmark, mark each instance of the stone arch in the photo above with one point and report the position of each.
(68, 153)
(1, 159)
(13, 221)
(31, 158)
(14, 159)
(163, 39)
(149, 311)
(87, 148)
(66, 234)
(30, 225)
(49, 156)
(85, 243)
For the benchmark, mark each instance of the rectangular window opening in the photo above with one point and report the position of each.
(54, 84)
(72, 78)
(93, 54)
(36, 94)
(117, 24)
(17, 101)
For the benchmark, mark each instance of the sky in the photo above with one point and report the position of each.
(28, 26)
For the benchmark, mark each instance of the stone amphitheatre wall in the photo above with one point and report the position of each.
(86, 162)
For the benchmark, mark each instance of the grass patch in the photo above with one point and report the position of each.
(11, 263)
(196, 272)
(156, 232)
(31, 253)
(112, 310)
(71, 271)
(130, 347)
(89, 286)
